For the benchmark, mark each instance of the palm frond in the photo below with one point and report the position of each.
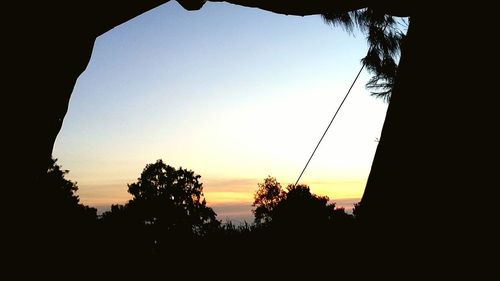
(384, 39)
(345, 20)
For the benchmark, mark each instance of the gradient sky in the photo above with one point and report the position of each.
(235, 94)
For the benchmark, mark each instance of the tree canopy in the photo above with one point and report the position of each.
(171, 200)
(59, 195)
(266, 198)
(294, 209)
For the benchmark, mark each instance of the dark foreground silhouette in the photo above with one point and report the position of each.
(168, 223)
(434, 156)
(167, 229)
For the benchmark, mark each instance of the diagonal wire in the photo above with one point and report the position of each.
(331, 121)
(335, 115)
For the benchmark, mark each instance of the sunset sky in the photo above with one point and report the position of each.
(235, 94)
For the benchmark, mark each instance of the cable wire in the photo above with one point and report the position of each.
(329, 124)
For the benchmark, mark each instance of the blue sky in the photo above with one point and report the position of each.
(235, 94)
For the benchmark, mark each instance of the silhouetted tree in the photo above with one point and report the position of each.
(357, 210)
(57, 222)
(384, 38)
(296, 210)
(116, 216)
(124, 234)
(341, 218)
(171, 201)
(266, 198)
(302, 211)
(60, 196)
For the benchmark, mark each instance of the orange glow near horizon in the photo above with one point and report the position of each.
(220, 193)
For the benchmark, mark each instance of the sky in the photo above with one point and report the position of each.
(232, 93)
